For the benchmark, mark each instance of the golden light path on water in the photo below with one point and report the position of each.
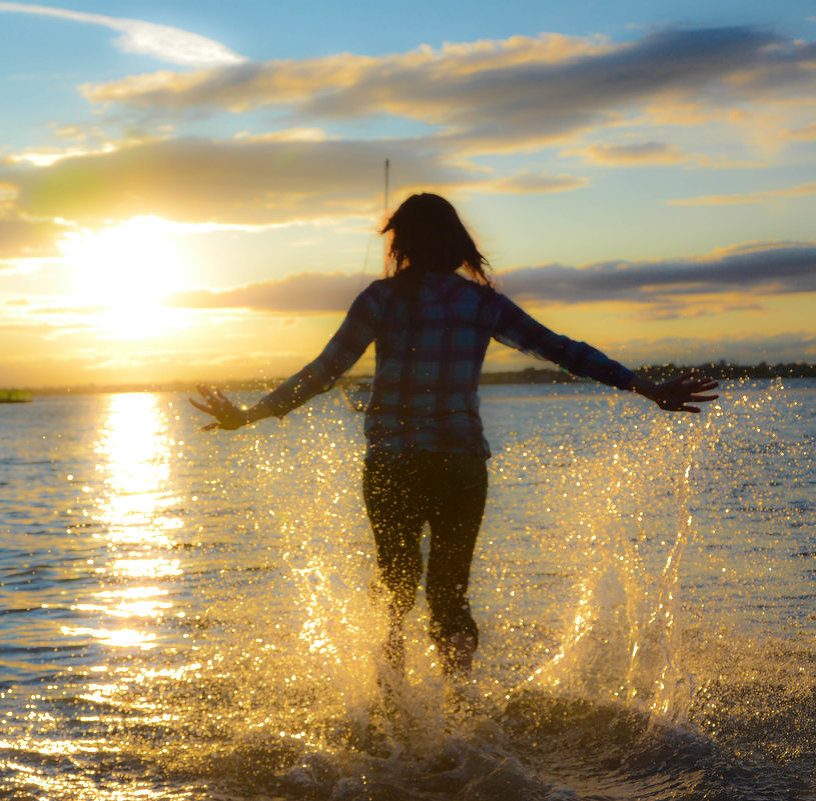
(126, 506)
(133, 464)
(133, 458)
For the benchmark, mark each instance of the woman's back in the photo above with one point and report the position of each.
(433, 331)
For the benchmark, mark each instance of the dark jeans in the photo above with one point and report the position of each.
(448, 491)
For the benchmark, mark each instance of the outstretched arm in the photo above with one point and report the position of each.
(676, 395)
(514, 327)
(517, 329)
(343, 350)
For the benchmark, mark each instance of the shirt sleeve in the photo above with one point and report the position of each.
(348, 344)
(515, 328)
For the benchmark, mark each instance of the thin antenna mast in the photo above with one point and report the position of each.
(385, 246)
(385, 205)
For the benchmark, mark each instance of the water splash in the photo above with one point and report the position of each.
(621, 643)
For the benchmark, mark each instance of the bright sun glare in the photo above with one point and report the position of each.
(126, 271)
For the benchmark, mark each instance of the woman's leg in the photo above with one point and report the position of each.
(457, 488)
(396, 511)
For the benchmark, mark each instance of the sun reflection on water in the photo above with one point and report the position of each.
(118, 638)
(134, 451)
(135, 517)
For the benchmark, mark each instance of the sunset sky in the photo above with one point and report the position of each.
(192, 190)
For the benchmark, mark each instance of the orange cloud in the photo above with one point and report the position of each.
(641, 153)
(21, 238)
(527, 183)
(760, 196)
(807, 134)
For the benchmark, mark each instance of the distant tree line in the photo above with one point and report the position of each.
(733, 372)
(720, 370)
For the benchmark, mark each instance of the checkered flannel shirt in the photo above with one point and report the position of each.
(425, 389)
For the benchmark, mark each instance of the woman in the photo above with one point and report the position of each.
(426, 452)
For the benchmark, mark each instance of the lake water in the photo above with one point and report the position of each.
(186, 615)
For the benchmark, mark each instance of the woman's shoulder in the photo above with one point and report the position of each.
(376, 295)
(383, 288)
(485, 292)
(463, 283)
(378, 287)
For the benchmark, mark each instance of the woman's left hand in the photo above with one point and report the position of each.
(678, 394)
(227, 415)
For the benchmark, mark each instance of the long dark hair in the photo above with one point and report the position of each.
(427, 235)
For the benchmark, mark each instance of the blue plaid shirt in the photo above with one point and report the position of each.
(425, 390)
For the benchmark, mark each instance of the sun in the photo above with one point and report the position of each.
(125, 272)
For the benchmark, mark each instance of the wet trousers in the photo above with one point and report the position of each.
(448, 492)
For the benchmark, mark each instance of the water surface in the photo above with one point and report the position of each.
(187, 616)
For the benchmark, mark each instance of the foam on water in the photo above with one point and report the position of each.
(192, 616)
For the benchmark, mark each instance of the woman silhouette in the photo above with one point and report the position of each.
(426, 453)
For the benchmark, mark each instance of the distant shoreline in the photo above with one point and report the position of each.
(529, 375)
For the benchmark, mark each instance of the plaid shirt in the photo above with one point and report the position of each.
(425, 389)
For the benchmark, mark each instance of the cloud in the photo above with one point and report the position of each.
(298, 134)
(765, 267)
(649, 154)
(304, 292)
(526, 182)
(144, 38)
(808, 133)
(750, 269)
(485, 96)
(198, 180)
(250, 181)
(760, 196)
(252, 85)
(24, 239)
(640, 153)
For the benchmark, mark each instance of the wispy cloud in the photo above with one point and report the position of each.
(794, 346)
(760, 196)
(650, 154)
(750, 269)
(145, 38)
(808, 133)
(640, 153)
(525, 182)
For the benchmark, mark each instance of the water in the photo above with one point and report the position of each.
(186, 615)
